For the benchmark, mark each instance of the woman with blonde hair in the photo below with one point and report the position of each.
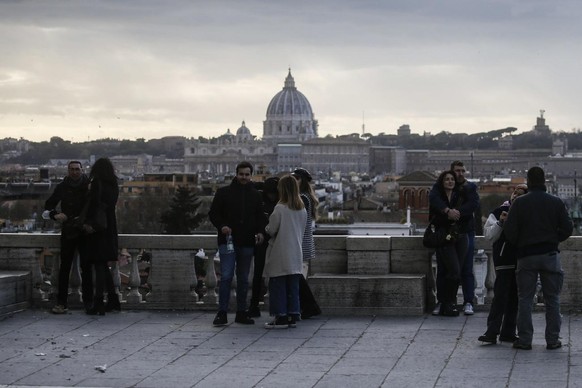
(284, 255)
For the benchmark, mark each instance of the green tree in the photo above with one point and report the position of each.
(183, 216)
(141, 214)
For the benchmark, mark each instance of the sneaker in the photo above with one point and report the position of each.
(468, 309)
(519, 345)
(292, 321)
(243, 317)
(278, 323)
(555, 345)
(437, 309)
(488, 338)
(220, 319)
(60, 309)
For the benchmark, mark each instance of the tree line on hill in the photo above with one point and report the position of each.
(58, 148)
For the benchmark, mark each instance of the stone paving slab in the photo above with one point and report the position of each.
(182, 349)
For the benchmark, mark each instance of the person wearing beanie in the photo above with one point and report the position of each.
(536, 223)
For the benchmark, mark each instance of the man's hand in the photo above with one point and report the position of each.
(454, 214)
(61, 217)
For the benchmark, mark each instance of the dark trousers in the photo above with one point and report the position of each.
(103, 282)
(258, 283)
(309, 306)
(450, 260)
(467, 275)
(503, 312)
(69, 246)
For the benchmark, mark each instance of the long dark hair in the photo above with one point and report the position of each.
(103, 170)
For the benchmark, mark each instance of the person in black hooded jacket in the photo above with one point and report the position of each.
(503, 312)
(237, 213)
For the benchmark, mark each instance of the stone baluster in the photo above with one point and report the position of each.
(490, 279)
(134, 296)
(194, 279)
(114, 268)
(170, 278)
(480, 269)
(211, 296)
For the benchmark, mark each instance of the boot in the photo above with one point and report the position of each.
(98, 307)
(243, 317)
(113, 303)
(449, 310)
(254, 311)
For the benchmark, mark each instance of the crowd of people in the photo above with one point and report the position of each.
(524, 231)
(272, 223)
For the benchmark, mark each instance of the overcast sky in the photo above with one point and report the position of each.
(147, 69)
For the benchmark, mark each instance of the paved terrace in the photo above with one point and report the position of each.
(182, 349)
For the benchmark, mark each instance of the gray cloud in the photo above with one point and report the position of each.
(151, 68)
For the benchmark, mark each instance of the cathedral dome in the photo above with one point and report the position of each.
(243, 130)
(289, 116)
(290, 101)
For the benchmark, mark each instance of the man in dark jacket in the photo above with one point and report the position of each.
(71, 193)
(237, 213)
(537, 222)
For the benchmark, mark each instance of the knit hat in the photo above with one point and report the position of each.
(302, 173)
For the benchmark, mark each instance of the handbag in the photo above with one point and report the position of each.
(436, 236)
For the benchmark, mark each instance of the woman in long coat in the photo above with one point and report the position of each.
(101, 228)
(284, 255)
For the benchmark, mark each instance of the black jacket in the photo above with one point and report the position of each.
(240, 207)
(465, 199)
(71, 195)
(537, 222)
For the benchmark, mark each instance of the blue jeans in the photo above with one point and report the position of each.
(240, 259)
(549, 268)
(467, 275)
(284, 295)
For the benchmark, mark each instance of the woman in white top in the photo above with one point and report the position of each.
(284, 255)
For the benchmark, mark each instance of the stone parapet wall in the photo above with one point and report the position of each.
(371, 259)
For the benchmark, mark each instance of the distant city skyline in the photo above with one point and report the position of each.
(148, 69)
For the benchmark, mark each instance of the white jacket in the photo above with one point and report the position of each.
(284, 253)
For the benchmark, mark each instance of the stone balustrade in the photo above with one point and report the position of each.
(351, 274)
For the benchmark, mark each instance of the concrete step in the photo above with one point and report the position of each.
(391, 294)
(15, 291)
